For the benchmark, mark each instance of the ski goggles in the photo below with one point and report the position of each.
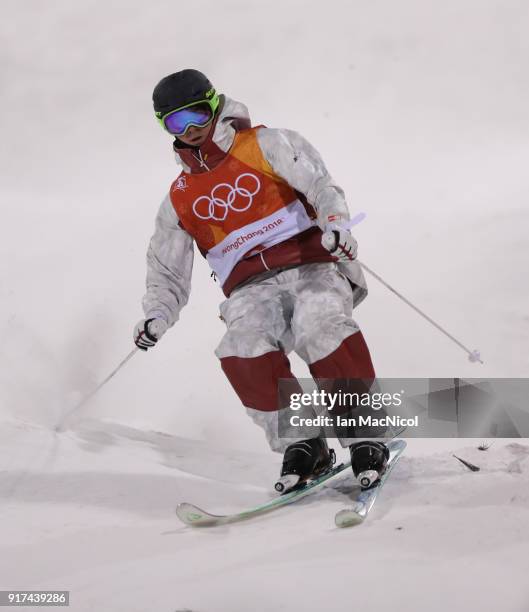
(199, 114)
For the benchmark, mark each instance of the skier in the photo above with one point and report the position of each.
(257, 202)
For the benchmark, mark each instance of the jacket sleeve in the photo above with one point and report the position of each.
(296, 161)
(169, 267)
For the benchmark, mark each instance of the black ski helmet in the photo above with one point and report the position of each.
(181, 89)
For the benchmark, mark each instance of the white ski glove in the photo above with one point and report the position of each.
(340, 243)
(148, 331)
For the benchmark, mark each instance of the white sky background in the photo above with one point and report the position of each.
(418, 107)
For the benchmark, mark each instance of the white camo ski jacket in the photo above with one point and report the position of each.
(170, 252)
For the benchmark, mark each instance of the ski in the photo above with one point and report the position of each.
(196, 517)
(366, 499)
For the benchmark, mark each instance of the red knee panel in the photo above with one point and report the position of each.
(348, 369)
(350, 360)
(255, 379)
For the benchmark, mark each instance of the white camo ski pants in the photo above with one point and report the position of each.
(306, 309)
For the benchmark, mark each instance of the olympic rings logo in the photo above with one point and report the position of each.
(225, 197)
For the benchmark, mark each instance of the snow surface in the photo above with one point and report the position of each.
(420, 110)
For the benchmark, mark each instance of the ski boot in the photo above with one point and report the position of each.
(303, 461)
(369, 460)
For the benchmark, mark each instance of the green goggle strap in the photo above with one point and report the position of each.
(212, 101)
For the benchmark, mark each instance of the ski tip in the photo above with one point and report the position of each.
(194, 516)
(397, 444)
(347, 518)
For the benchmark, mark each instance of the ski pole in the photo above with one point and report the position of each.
(328, 241)
(472, 355)
(65, 417)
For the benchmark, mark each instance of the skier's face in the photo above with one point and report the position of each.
(195, 136)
